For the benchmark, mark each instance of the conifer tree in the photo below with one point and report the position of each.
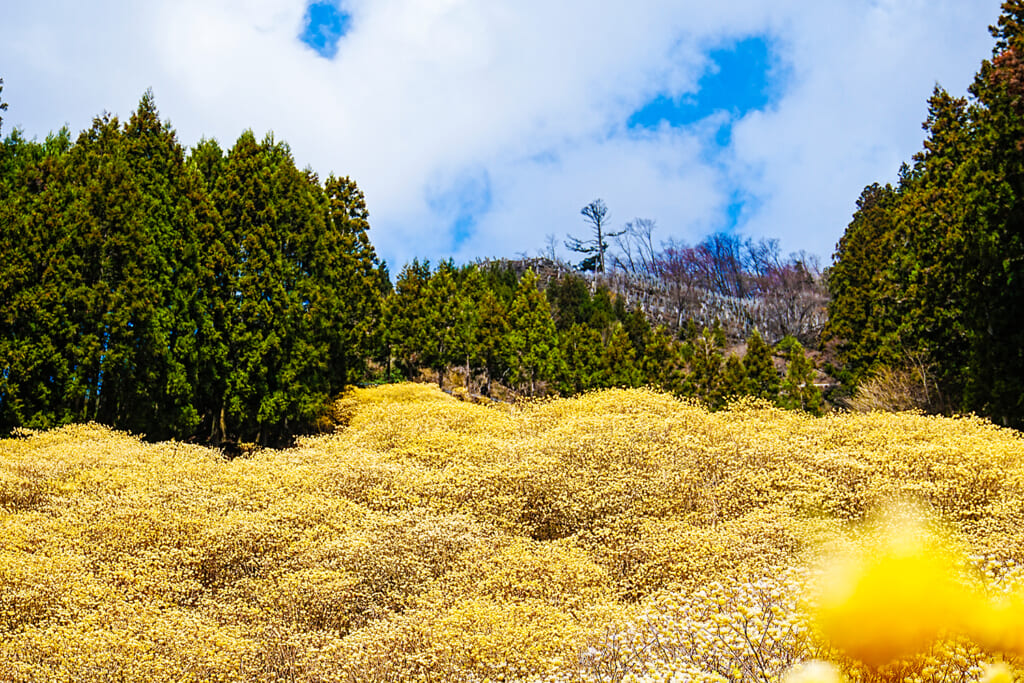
(762, 378)
(944, 249)
(492, 340)
(582, 352)
(798, 391)
(705, 376)
(532, 338)
(734, 379)
(467, 351)
(36, 278)
(569, 297)
(618, 364)
(406, 316)
(602, 310)
(662, 365)
(271, 212)
(346, 304)
(443, 342)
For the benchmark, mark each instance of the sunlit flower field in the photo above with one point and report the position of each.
(619, 536)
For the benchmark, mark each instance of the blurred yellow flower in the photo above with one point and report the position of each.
(895, 602)
(997, 672)
(813, 672)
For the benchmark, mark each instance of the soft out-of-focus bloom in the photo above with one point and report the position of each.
(997, 672)
(813, 672)
(895, 600)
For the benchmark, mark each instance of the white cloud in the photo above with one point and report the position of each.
(854, 110)
(532, 95)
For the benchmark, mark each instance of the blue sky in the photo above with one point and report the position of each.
(741, 77)
(480, 128)
(323, 27)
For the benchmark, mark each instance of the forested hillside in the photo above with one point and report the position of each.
(209, 293)
(227, 296)
(928, 280)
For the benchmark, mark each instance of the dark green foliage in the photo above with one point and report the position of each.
(532, 339)
(704, 356)
(501, 278)
(734, 379)
(798, 391)
(569, 297)
(602, 312)
(762, 378)
(227, 296)
(582, 352)
(618, 363)
(406, 317)
(934, 268)
(449, 322)
(212, 296)
(662, 365)
(492, 349)
(638, 329)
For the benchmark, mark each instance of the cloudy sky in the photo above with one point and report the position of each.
(480, 127)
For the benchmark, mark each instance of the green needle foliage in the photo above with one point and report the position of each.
(532, 338)
(934, 268)
(225, 297)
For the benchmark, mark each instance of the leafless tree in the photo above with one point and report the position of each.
(637, 254)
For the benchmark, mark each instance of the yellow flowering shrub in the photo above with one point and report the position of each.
(617, 536)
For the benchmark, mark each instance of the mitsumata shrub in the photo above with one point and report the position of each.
(623, 535)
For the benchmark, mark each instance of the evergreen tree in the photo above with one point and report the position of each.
(618, 365)
(735, 382)
(501, 279)
(493, 339)
(662, 365)
(762, 378)
(36, 278)
(569, 297)
(705, 376)
(532, 339)
(798, 391)
(857, 320)
(277, 371)
(345, 306)
(406, 317)
(472, 289)
(583, 352)
(170, 295)
(638, 328)
(445, 341)
(602, 310)
(944, 252)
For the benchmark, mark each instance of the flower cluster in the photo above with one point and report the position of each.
(617, 536)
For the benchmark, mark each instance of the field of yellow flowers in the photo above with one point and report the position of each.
(618, 536)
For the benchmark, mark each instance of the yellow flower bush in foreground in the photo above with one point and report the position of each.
(618, 536)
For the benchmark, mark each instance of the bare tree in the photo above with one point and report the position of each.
(596, 214)
(721, 258)
(637, 255)
(679, 272)
(793, 299)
